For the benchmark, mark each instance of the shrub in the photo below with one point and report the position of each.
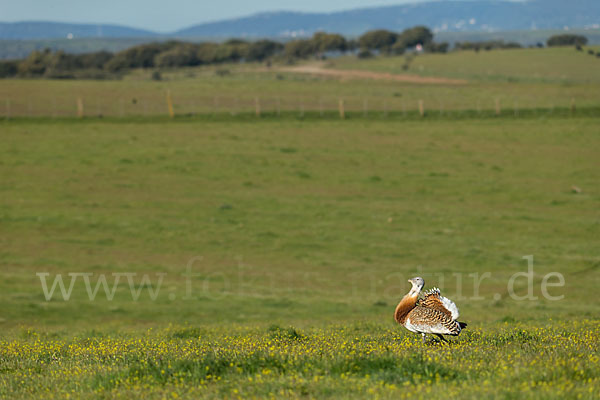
(156, 76)
(437, 47)
(487, 45)
(566, 39)
(364, 53)
(222, 72)
(8, 68)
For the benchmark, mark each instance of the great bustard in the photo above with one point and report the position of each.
(434, 313)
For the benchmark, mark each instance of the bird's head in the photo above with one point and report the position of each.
(417, 284)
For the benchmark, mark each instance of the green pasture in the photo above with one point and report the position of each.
(300, 236)
(308, 221)
(564, 66)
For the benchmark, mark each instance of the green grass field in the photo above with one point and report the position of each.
(263, 257)
(556, 65)
(310, 224)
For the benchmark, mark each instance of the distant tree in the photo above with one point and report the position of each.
(302, 48)
(207, 52)
(231, 51)
(566, 39)
(414, 36)
(8, 69)
(141, 56)
(398, 48)
(35, 64)
(60, 65)
(352, 45)
(512, 45)
(94, 60)
(380, 39)
(181, 55)
(263, 49)
(235, 42)
(324, 42)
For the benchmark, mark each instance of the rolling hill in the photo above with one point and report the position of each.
(441, 16)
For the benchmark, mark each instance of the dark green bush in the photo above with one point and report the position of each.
(567, 39)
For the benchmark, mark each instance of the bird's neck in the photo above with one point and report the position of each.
(407, 303)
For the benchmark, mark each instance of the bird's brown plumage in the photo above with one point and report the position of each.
(432, 314)
(432, 300)
(404, 307)
(428, 320)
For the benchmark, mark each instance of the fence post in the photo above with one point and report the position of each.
(385, 108)
(498, 110)
(421, 108)
(257, 106)
(341, 109)
(79, 107)
(321, 106)
(365, 107)
(7, 108)
(170, 104)
(278, 107)
(572, 109)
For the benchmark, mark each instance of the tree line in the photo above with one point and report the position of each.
(173, 54)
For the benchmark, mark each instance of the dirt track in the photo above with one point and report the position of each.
(359, 74)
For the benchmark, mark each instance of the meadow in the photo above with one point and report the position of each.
(263, 257)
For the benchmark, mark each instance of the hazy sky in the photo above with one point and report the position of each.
(163, 15)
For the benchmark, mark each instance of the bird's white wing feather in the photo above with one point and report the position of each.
(450, 306)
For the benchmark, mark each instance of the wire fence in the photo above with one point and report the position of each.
(171, 105)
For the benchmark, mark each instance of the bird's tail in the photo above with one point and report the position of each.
(463, 325)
